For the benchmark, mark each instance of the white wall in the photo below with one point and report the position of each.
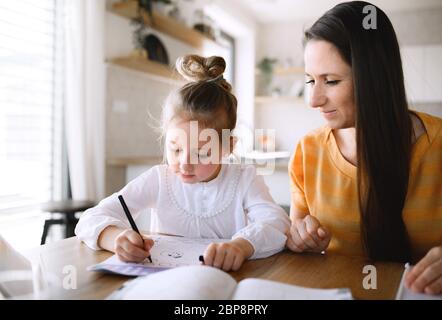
(419, 34)
(283, 42)
(418, 27)
(291, 121)
(240, 25)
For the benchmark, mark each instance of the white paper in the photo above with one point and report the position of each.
(182, 283)
(259, 289)
(404, 293)
(12, 261)
(167, 252)
(208, 283)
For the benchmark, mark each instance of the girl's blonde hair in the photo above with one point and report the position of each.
(207, 98)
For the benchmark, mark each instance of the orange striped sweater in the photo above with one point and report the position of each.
(323, 183)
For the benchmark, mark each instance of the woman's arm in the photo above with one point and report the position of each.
(296, 214)
(306, 232)
(426, 275)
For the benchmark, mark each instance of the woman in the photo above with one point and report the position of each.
(370, 181)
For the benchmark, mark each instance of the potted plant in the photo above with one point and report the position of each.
(265, 66)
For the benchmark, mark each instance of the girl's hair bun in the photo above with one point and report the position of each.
(196, 68)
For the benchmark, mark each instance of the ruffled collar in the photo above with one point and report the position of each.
(204, 199)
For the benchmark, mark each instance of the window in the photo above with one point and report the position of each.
(31, 74)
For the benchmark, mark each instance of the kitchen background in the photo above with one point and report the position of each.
(261, 42)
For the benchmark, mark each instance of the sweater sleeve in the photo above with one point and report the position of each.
(139, 195)
(267, 223)
(296, 176)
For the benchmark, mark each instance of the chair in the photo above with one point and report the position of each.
(67, 210)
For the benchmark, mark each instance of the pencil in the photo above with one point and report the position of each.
(131, 220)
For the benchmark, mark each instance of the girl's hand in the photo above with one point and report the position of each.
(307, 234)
(228, 255)
(131, 247)
(426, 275)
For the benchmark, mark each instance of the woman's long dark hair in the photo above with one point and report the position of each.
(383, 124)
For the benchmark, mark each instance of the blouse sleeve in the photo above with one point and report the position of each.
(139, 195)
(296, 176)
(267, 223)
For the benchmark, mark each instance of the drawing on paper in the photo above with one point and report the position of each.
(167, 252)
(172, 254)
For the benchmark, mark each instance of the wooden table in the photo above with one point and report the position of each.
(309, 270)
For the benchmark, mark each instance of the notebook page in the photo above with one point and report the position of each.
(182, 283)
(259, 289)
(404, 293)
(167, 252)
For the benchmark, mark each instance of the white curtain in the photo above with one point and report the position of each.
(85, 96)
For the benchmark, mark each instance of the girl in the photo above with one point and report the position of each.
(195, 195)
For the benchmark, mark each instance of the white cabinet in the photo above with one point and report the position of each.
(433, 73)
(413, 66)
(423, 73)
(279, 186)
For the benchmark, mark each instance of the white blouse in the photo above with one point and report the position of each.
(236, 203)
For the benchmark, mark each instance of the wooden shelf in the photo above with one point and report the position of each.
(279, 99)
(154, 69)
(163, 24)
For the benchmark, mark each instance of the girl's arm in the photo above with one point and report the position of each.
(125, 243)
(140, 194)
(267, 223)
(106, 238)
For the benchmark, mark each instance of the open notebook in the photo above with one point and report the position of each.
(208, 283)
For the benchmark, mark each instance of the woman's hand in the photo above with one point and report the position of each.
(131, 247)
(307, 234)
(426, 275)
(228, 255)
